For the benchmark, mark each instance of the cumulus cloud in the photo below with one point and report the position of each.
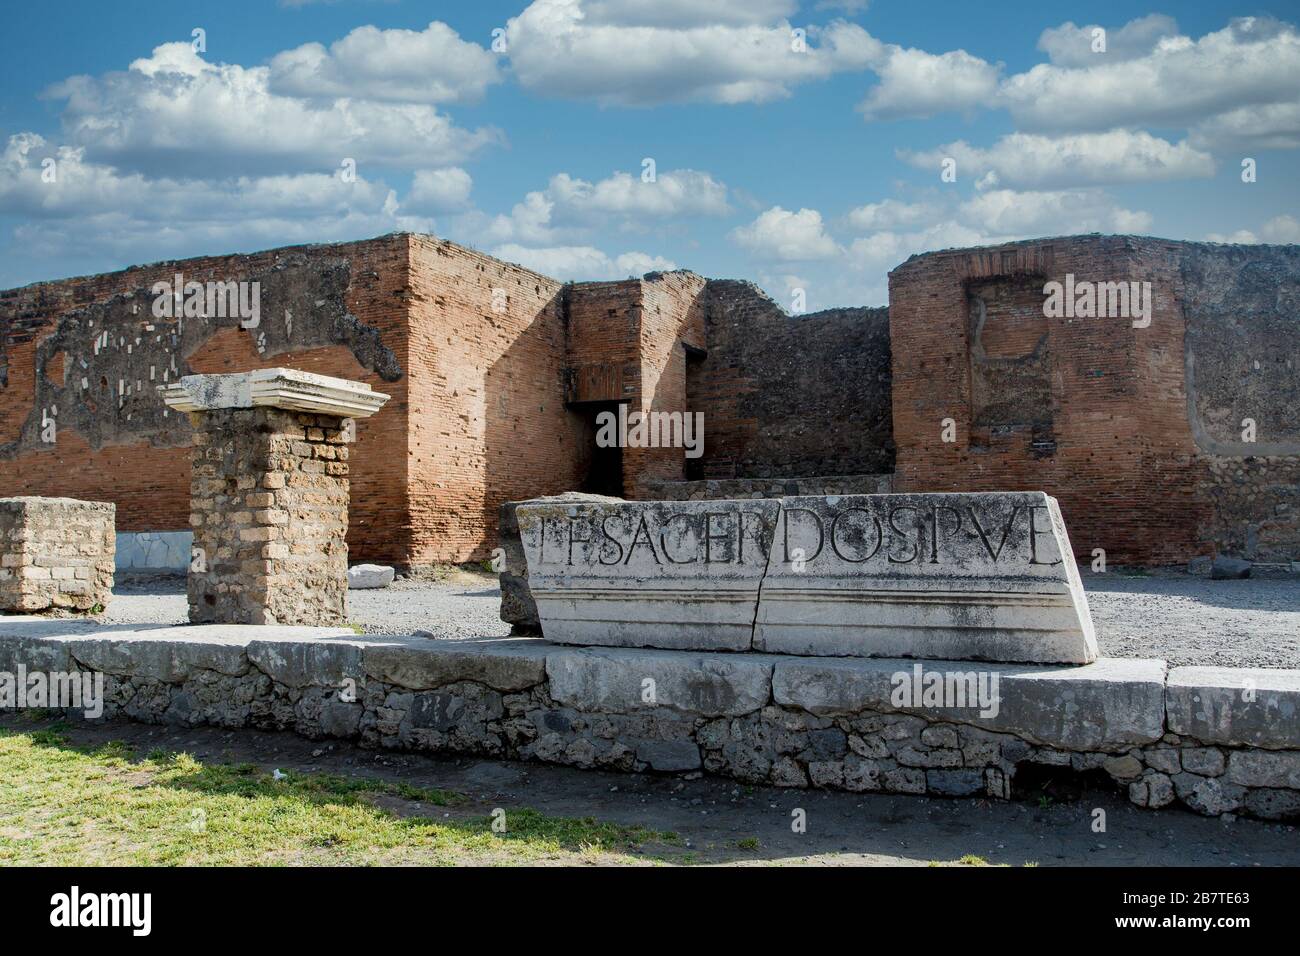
(570, 205)
(578, 263)
(1282, 229)
(685, 13)
(439, 190)
(1252, 63)
(914, 83)
(890, 214)
(95, 210)
(1030, 159)
(1070, 46)
(174, 112)
(781, 235)
(1060, 212)
(621, 52)
(433, 65)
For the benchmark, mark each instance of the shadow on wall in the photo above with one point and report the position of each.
(792, 396)
(533, 444)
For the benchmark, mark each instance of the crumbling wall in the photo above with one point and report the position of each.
(488, 420)
(87, 354)
(1136, 430)
(791, 396)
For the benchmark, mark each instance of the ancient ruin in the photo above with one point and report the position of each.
(964, 577)
(55, 553)
(269, 494)
(1164, 436)
(863, 583)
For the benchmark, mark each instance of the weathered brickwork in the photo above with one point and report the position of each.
(715, 488)
(270, 517)
(55, 553)
(791, 396)
(335, 310)
(1135, 430)
(497, 374)
(488, 421)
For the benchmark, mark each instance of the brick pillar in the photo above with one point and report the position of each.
(269, 494)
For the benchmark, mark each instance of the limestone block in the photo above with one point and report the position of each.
(1109, 704)
(648, 574)
(1255, 707)
(945, 576)
(419, 664)
(622, 681)
(285, 388)
(363, 576)
(518, 608)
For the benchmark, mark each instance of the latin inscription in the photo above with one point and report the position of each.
(865, 531)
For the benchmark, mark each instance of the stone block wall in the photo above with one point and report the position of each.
(270, 517)
(1160, 738)
(55, 553)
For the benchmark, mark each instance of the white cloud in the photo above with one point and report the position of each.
(916, 83)
(1282, 230)
(685, 13)
(781, 235)
(569, 206)
(1030, 159)
(1272, 126)
(174, 112)
(1240, 237)
(890, 214)
(439, 190)
(1070, 45)
(94, 210)
(433, 65)
(1251, 63)
(641, 53)
(579, 263)
(1063, 212)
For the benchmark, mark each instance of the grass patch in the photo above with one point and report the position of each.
(79, 806)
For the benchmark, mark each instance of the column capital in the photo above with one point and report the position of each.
(285, 388)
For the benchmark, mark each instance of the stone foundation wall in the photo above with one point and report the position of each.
(55, 553)
(270, 514)
(764, 719)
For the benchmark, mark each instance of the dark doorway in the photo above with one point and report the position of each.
(605, 473)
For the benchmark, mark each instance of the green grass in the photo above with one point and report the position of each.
(67, 805)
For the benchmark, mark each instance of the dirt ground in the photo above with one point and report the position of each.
(723, 822)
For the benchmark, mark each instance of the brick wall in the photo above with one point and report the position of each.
(337, 310)
(488, 420)
(791, 396)
(1095, 411)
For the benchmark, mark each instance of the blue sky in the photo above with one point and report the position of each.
(814, 168)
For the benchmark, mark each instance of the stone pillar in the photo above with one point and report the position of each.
(269, 494)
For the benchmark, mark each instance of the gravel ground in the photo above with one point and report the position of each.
(1181, 618)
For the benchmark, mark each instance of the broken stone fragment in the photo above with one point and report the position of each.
(362, 576)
